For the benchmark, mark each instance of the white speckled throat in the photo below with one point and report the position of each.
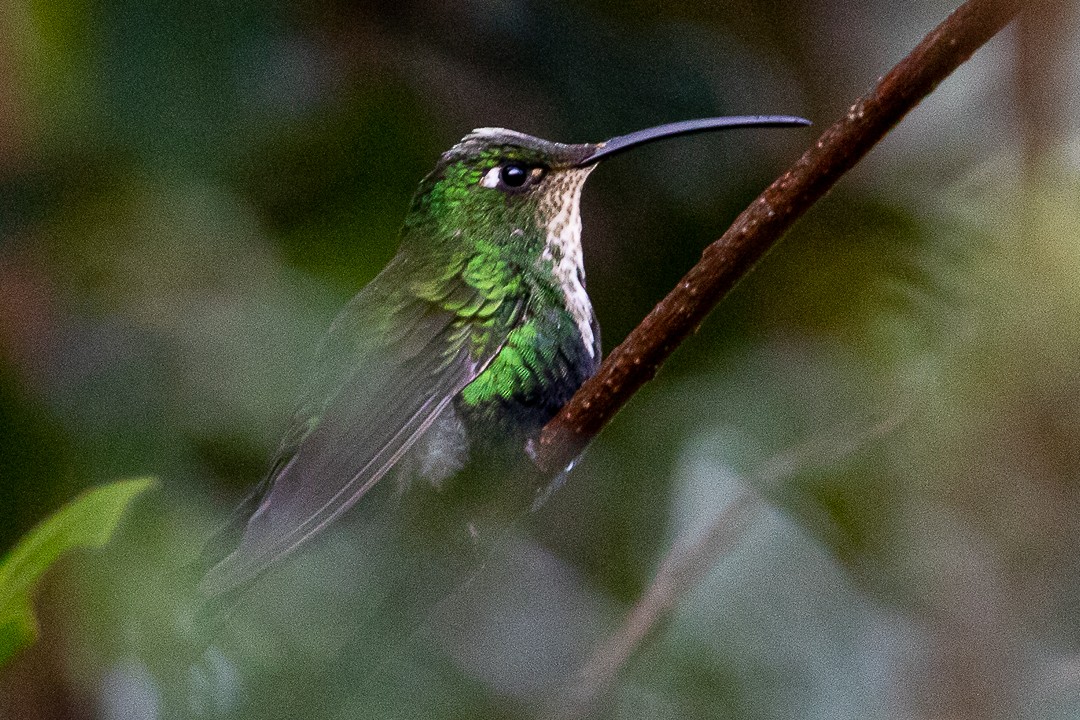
(562, 209)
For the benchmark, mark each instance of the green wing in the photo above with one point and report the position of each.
(391, 362)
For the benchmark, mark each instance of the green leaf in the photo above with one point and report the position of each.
(87, 521)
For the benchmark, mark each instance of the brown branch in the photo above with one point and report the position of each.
(759, 227)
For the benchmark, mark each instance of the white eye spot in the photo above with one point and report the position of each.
(491, 178)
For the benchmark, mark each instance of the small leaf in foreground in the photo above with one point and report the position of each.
(87, 521)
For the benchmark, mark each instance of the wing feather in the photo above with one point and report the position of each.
(389, 366)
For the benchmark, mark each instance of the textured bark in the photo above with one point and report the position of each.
(761, 225)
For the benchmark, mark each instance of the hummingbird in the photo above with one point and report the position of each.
(475, 334)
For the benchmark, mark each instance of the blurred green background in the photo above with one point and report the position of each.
(189, 191)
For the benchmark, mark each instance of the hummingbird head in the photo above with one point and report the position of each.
(513, 199)
(504, 187)
(512, 189)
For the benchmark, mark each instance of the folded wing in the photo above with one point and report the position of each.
(389, 365)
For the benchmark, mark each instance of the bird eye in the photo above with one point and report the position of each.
(513, 175)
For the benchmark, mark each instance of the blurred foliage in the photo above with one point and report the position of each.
(188, 191)
(88, 521)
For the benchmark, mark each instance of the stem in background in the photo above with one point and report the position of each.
(693, 555)
(759, 227)
(684, 567)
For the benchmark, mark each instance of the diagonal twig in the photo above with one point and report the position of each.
(694, 554)
(636, 360)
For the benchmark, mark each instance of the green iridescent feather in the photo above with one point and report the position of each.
(466, 322)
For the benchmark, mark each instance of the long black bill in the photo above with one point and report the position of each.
(688, 127)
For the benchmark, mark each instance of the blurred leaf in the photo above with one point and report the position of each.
(87, 521)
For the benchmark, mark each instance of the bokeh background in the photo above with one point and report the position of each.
(189, 191)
